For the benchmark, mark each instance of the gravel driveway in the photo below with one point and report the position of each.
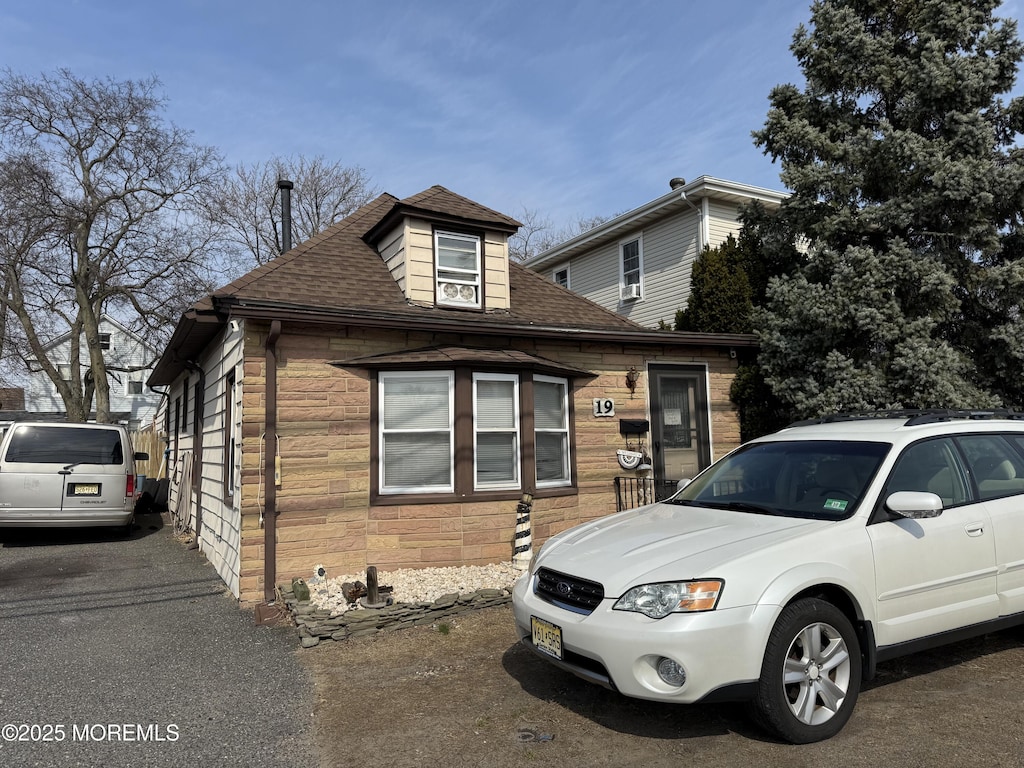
(130, 652)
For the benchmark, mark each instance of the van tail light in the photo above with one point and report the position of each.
(129, 486)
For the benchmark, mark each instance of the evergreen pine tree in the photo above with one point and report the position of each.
(908, 189)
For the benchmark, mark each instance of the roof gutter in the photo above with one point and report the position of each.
(375, 319)
(701, 187)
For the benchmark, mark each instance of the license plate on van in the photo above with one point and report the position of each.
(84, 489)
(547, 637)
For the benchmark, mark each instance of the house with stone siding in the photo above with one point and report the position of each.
(385, 393)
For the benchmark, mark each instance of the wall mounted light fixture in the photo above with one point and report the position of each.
(632, 375)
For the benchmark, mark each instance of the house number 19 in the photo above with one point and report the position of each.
(604, 406)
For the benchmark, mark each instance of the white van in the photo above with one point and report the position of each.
(63, 474)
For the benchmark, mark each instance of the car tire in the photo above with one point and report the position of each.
(811, 673)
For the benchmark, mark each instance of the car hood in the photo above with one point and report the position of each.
(665, 542)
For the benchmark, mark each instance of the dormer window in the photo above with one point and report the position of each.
(458, 269)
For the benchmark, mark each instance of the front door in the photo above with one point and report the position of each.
(680, 438)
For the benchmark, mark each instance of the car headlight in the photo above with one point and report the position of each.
(659, 600)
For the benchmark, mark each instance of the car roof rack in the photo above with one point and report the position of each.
(914, 416)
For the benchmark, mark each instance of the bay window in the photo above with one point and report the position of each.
(496, 430)
(471, 434)
(416, 425)
(551, 425)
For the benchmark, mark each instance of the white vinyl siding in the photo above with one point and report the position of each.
(417, 412)
(723, 220)
(496, 431)
(551, 431)
(220, 534)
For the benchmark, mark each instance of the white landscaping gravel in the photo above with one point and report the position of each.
(414, 585)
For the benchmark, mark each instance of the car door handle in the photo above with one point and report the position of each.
(975, 529)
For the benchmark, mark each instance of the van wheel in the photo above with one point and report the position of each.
(811, 674)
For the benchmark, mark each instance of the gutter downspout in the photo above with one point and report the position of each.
(270, 435)
(701, 241)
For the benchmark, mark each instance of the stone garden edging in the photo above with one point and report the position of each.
(316, 624)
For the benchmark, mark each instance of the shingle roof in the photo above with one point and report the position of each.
(448, 355)
(339, 270)
(338, 277)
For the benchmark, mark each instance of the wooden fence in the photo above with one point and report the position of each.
(149, 441)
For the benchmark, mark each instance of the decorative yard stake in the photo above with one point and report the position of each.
(372, 599)
(522, 550)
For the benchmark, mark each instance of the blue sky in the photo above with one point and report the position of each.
(571, 109)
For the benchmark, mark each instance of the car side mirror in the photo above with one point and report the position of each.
(682, 484)
(914, 505)
(141, 456)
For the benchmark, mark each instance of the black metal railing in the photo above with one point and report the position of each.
(633, 492)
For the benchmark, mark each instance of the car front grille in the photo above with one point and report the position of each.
(569, 592)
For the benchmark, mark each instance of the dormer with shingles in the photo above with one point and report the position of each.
(446, 251)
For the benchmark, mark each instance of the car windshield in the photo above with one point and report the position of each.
(822, 479)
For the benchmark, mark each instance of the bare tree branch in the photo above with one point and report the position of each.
(106, 195)
(247, 206)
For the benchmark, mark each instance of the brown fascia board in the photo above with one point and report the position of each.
(377, 319)
(401, 211)
(191, 337)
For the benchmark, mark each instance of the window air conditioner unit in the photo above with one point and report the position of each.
(630, 292)
(455, 293)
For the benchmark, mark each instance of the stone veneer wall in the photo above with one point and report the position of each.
(324, 430)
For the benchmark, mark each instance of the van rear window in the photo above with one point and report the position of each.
(64, 445)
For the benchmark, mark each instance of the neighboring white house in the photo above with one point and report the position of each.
(638, 264)
(130, 361)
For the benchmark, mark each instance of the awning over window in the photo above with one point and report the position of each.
(451, 356)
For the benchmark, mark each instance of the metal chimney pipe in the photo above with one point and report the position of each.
(286, 214)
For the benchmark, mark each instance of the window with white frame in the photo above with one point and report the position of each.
(561, 276)
(464, 434)
(632, 265)
(551, 430)
(134, 386)
(458, 269)
(416, 432)
(496, 430)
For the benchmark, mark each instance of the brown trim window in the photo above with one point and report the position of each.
(416, 427)
(177, 426)
(197, 407)
(229, 435)
(472, 434)
(184, 407)
(551, 431)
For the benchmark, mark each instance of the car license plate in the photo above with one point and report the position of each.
(547, 637)
(84, 489)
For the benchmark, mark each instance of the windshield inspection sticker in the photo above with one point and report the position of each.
(838, 505)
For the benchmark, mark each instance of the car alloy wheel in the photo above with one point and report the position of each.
(811, 673)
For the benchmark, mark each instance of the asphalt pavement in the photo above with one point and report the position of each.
(131, 652)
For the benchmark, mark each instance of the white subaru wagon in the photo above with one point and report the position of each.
(785, 572)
